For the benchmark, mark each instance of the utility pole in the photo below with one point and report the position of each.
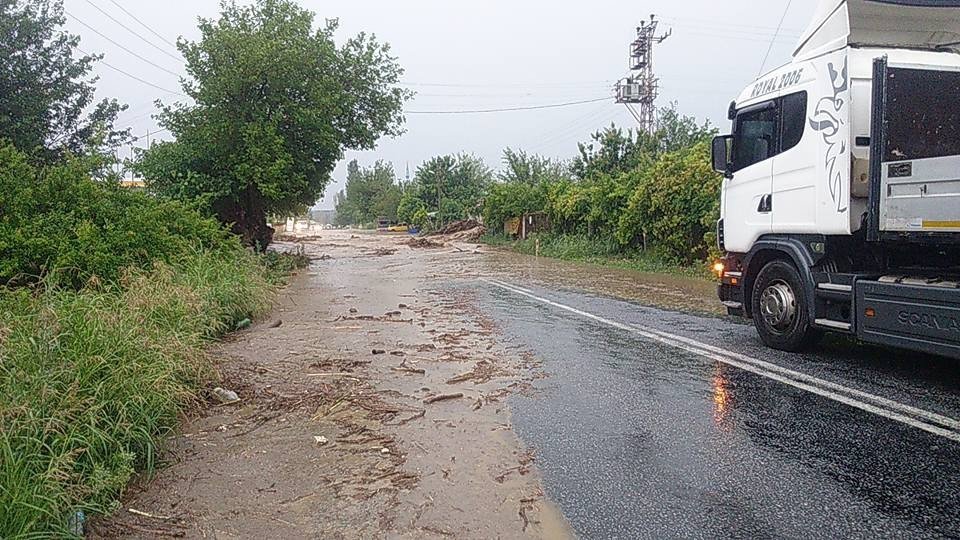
(639, 91)
(440, 202)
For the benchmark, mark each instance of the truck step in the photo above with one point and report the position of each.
(835, 325)
(835, 287)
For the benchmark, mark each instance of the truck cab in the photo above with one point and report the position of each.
(841, 195)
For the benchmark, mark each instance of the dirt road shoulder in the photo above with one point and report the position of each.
(372, 404)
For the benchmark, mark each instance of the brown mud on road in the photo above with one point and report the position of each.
(673, 292)
(372, 404)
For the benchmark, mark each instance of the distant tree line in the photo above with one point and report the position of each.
(632, 191)
(444, 189)
(644, 191)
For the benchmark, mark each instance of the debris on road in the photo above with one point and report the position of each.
(141, 513)
(406, 369)
(226, 397)
(424, 243)
(335, 412)
(457, 227)
(442, 397)
(243, 324)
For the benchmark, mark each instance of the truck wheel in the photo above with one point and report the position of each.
(780, 310)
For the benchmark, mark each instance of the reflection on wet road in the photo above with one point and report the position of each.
(656, 424)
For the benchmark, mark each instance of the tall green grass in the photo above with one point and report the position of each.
(602, 251)
(91, 380)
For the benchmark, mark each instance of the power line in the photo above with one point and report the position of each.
(511, 109)
(586, 125)
(770, 48)
(141, 116)
(134, 77)
(777, 39)
(714, 23)
(735, 34)
(135, 139)
(143, 24)
(592, 84)
(134, 32)
(104, 36)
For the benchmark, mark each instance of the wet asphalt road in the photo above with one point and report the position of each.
(640, 439)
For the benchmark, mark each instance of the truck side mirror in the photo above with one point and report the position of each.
(721, 155)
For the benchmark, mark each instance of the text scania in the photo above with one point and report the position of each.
(927, 320)
(777, 83)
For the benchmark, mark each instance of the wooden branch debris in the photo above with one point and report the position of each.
(442, 397)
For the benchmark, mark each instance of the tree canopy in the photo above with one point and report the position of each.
(370, 193)
(47, 106)
(626, 190)
(449, 187)
(277, 102)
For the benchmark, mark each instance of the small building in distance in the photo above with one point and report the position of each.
(522, 227)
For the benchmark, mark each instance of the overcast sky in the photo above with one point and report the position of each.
(480, 54)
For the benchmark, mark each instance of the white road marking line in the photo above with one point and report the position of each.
(797, 375)
(883, 407)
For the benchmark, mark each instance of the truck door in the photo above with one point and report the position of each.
(794, 176)
(747, 196)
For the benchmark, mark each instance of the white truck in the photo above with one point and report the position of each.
(841, 191)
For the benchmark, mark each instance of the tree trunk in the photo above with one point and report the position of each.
(248, 219)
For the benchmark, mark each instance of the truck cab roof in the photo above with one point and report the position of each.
(888, 24)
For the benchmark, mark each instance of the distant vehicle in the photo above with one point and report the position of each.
(841, 197)
(402, 228)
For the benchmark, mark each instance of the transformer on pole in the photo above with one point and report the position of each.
(640, 89)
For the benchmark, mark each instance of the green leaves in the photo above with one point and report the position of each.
(631, 190)
(451, 186)
(277, 103)
(371, 193)
(47, 107)
(675, 205)
(58, 224)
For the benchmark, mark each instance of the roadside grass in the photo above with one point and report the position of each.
(92, 380)
(607, 252)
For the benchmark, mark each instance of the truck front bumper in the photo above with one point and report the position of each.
(730, 290)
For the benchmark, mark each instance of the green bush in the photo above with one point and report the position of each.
(674, 205)
(511, 200)
(58, 225)
(92, 380)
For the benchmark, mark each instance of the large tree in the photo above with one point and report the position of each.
(47, 104)
(276, 104)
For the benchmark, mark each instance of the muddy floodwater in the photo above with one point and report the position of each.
(440, 388)
(673, 292)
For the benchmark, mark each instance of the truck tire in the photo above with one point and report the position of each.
(780, 310)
